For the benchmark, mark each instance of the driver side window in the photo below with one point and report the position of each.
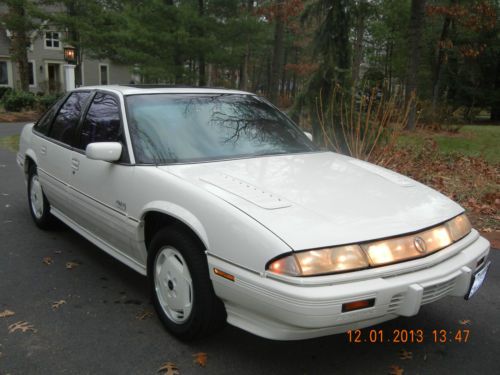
(102, 122)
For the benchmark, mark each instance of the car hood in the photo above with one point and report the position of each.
(321, 199)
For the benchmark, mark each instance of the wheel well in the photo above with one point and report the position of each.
(27, 164)
(154, 221)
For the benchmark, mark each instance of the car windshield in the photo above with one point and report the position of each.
(180, 128)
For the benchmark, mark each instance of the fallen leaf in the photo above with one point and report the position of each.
(168, 368)
(396, 370)
(6, 313)
(57, 304)
(71, 265)
(404, 354)
(464, 322)
(22, 326)
(144, 314)
(200, 359)
(47, 260)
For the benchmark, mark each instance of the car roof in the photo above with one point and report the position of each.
(153, 89)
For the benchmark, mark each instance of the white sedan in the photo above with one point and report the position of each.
(235, 215)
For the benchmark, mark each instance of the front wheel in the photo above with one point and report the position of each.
(182, 292)
(38, 204)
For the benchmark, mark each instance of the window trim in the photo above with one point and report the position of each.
(9, 72)
(125, 159)
(59, 39)
(33, 65)
(61, 70)
(132, 146)
(71, 145)
(61, 101)
(107, 74)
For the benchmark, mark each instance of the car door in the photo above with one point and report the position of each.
(98, 189)
(53, 145)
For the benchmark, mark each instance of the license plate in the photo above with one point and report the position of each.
(477, 280)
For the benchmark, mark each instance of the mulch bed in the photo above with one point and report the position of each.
(26, 116)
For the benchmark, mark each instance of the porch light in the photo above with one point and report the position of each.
(70, 54)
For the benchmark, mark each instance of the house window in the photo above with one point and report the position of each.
(52, 39)
(103, 74)
(4, 77)
(31, 72)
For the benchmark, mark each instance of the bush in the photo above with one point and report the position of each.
(44, 102)
(16, 101)
(4, 90)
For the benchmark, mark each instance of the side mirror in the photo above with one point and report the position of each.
(309, 135)
(105, 151)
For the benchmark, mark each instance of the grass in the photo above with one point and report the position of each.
(10, 143)
(471, 140)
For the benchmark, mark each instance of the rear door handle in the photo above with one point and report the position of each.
(43, 150)
(75, 164)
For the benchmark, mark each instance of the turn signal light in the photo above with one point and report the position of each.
(358, 305)
(223, 274)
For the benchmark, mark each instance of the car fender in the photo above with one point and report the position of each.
(179, 213)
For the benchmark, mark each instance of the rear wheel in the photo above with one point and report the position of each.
(38, 204)
(182, 292)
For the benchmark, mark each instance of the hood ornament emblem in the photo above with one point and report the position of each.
(420, 245)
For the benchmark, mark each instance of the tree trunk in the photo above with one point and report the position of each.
(440, 59)
(415, 36)
(278, 45)
(358, 47)
(202, 81)
(20, 43)
(242, 84)
(495, 107)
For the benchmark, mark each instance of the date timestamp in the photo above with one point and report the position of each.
(408, 336)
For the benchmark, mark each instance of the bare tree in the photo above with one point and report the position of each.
(417, 18)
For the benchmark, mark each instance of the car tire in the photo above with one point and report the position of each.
(182, 291)
(37, 201)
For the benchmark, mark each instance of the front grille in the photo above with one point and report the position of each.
(434, 292)
(395, 303)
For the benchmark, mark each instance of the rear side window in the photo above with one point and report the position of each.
(68, 117)
(102, 122)
(43, 125)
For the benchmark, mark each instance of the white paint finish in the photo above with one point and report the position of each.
(69, 77)
(333, 201)
(225, 230)
(282, 311)
(104, 151)
(102, 208)
(99, 242)
(249, 211)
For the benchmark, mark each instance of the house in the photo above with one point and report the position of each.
(46, 63)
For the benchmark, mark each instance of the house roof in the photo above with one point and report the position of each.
(154, 89)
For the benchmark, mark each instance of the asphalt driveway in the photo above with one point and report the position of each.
(105, 323)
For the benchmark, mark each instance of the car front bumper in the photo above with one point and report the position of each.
(280, 310)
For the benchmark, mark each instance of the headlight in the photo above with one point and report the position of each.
(459, 227)
(321, 261)
(372, 254)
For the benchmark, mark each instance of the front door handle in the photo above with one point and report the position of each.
(43, 150)
(75, 164)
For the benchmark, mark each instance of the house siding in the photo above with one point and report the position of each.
(43, 57)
